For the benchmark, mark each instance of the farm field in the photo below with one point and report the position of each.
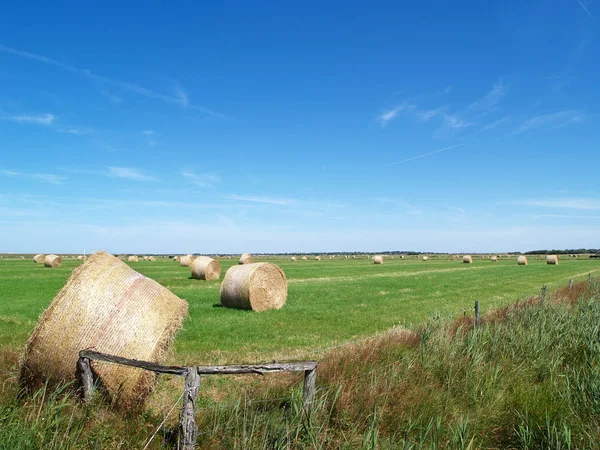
(329, 301)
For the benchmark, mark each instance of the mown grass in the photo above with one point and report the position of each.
(527, 378)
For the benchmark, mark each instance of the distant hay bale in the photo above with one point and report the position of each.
(467, 259)
(258, 286)
(425, 258)
(575, 256)
(345, 256)
(39, 259)
(455, 258)
(293, 258)
(205, 268)
(377, 259)
(151, 258)
(317, 258)
(401, 256)
(552, 259)
(53, 261)
(81, 258)
(145, 258)
(246, 258)
(494, 259)
(108, 307)
(133, 258)
(522, 260)
(229, 257)
(186, 261)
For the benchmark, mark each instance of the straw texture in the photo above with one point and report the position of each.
(522, 260)
(108, 307)
(258, 286)
(133, 258)
(467, 259)
(552, 259)
(39, 259)
(53, 261)
(246, 258)
(205, 268)
(377, 259)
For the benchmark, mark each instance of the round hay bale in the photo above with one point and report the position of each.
(293, 258)
(258, 286)
(205, 268)
(522, 260)
(467, 259)
(108, 307)
(304, 258)
(186, 261)
(39, 259)
(401, 256)
(425, 258)
(377, 259)
(493, 259)
(552, 259)
(455, 258)
(575, 256)
(317, 258)
(53, 261)
(229, 257)
(145, 258)
(246, 258)
(133, 258)
(151, 258)
(176, 258)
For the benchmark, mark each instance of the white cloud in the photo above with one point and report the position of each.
(149, 133)
(128, 173)
(45, 177)
(495, 124)
(489, 101)
(203, 180)
(556, 120)
(40, 119)
(582, 203)
(258, 199)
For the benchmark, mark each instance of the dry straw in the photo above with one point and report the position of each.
(493, 259)
(293, 258)
(522, 260)
(108, 307)
(425, 258)
(133, 258)
(151, 258)
(205, 268)
(467, 259)
(377, 259)
(39, 259)
(259, 287)
(318, 258)
(552, 259)
(455, 258)
(246, 258)
(53, 261)
(186, 261)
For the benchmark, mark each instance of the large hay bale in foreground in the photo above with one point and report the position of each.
(108, 307)
(377, 259)
(522, 260)
(186, 261)
(552, 259)
(205, 268)
(39, 259)
(133, 258)
(246, 258)
(467, 259)
(258, 286)
(53, 261)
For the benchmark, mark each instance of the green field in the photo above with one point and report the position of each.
(329, 302)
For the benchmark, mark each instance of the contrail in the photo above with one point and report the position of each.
(586, 10)
(428, 154)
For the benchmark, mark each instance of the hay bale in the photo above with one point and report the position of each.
(552, 259)
(151, 258)
(377, 259)
(258, 286)
(53, 261)
(176, 258)
(522, 260)
(575, 256)
(455, 258)
(229, 257)
(246, 258)
(304, 258)
(39, 259)
(109, 307)
(467, 259)
(318, 258)
(205, 268)
(401, 256)
(493, 259)
(425, 258)
(133, 258)
(293, 258)
(186, 261)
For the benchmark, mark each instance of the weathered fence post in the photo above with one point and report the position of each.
(477, 317)
(86, 378)
(570, 285)
(308, 395)
(187, 425)
(544, 288)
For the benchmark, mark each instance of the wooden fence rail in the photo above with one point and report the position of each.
(193, 374)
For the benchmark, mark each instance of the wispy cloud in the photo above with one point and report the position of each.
(179, 96)
(390, 114)
(45, 177)
(149, 133)
(430, 114)
(582, 203)
(555, 120)
(586, 10)
(75, 130)
(495, 124)
(423, 155)
(39, 119)
(491, 99)
(128, 173)
(203, 180)
(259, 199)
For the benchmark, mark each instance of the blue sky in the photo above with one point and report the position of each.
(299, 126)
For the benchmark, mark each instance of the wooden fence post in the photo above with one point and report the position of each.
(477, 317)
(187, 425)
(86, 378)
(570, 285)
(308, 395)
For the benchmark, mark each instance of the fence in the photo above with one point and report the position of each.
(192, 374)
